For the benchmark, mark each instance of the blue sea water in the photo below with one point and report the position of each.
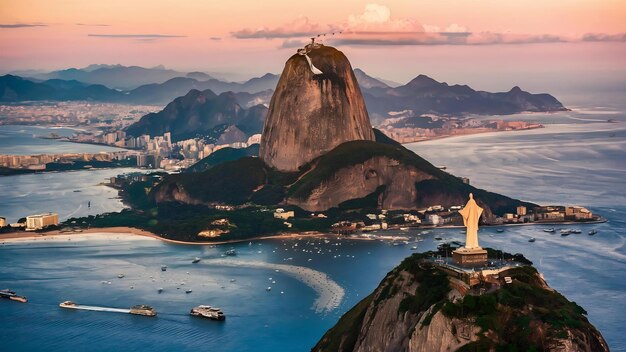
(26, 140)
(571, 161)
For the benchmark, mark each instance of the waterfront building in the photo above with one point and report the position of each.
(3, 222)
(40, 221)
(577, 213)
(521, 210)
(434, 219)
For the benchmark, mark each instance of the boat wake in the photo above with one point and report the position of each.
(101, 309)
(329, 293)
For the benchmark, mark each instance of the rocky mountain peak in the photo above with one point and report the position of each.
(310, 114)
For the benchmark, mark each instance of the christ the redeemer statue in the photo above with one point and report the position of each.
(471, 214)
(472, 253)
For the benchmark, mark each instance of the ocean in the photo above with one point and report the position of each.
(26, 140)
(578, 158)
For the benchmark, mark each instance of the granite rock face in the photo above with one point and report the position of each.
(413, 310)
(311, 114)
(399, 181)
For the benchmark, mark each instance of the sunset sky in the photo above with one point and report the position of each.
(449, 39)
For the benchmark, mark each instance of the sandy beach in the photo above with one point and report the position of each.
(131, 231)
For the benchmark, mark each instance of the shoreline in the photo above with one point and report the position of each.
(427, 139)
(133, 231)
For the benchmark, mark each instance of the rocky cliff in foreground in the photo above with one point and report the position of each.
(311, 114)
(418, 308)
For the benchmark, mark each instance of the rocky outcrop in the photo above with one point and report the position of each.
(419, 308)
(311, 114)
(365, 178)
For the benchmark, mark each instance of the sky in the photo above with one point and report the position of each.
(490, 43)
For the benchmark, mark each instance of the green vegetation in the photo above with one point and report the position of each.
(515, 311)
(183, 222)
(522, 316)
(353, 153)
(223, 155)
(432, 289)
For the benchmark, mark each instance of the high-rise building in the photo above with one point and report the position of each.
(38, 222)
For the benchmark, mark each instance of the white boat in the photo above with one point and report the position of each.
(592, 232)
(196, 260)
(188, 291)
(269, 288)
(208, 312)
(121, 276)
(230, 252)
(550, 230)
(8, 294)
(532, 239)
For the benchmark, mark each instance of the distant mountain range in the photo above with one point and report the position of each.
(13, 88)
(424, 95)
(421, 96)
(117, 76)
(203, 114)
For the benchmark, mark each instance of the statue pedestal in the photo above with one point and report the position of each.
(472, 256)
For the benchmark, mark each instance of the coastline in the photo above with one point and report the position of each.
(469, 133)
(132, 231)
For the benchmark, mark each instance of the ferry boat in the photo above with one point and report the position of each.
(67, 304)
(208, 312)
(592, 232)
(196, 260)
(142, 309)
(8, 294)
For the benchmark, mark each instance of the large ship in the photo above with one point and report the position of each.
(140, 309)
(208, 312)
(8, 294)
